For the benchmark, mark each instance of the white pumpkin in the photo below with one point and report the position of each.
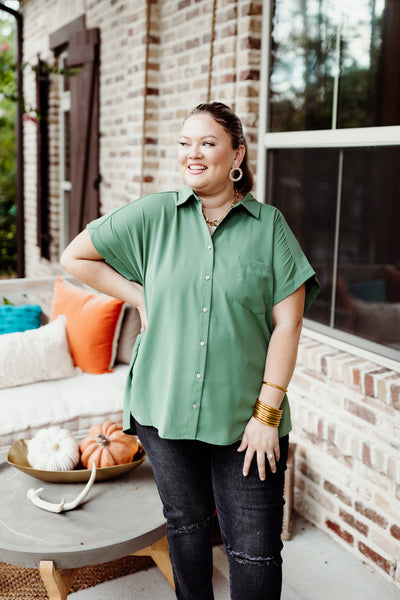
(53, 449)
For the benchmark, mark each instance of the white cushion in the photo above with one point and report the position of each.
(35, 355)
(75, 403)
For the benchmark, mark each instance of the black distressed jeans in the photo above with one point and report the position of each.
(194, 478)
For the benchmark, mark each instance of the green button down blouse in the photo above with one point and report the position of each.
(198, 368)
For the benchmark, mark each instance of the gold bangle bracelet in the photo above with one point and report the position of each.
(266, 419)
(266, 414)
(276, 412)
(275, 386)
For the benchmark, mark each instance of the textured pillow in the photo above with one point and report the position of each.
(19, 318)
(35, 355)
(378, 321)
(93, 325)
(130, 330)
(372, 290)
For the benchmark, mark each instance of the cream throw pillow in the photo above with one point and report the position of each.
(129, 331)
(36, 355)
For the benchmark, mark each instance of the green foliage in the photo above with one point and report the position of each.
(8, 225)
(9, 100)
(308, 59)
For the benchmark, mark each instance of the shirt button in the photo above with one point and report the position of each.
(198, 375)
(207, 277)
(202, 343)
(209, 247)
(194, 406)
(205, 309)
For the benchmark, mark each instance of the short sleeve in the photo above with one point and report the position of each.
(290, 265)
(118, 237)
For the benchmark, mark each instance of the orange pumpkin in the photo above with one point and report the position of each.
(106, 445)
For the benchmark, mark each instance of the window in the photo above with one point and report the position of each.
(331, 64)
(331, 156)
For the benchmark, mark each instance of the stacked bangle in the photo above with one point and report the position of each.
(275, 386)
(266, 414)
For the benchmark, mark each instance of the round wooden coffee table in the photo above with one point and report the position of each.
(120, 517)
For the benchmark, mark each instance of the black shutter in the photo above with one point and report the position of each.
(42, 153)
(82, 47)
(83, 54)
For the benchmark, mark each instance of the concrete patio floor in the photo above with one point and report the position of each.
(318, 568)
(315, 568)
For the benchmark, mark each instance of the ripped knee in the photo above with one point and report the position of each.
(191, 527)
(260, 561)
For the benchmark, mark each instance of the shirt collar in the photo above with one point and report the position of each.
(248, 202)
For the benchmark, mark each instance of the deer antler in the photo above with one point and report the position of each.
(33, 496)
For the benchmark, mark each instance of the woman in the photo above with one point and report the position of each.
(221, 286)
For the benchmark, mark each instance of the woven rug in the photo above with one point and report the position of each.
(17, 583)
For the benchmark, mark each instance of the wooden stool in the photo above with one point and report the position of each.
(288, 494)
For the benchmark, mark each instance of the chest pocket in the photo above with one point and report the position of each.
(254, 284)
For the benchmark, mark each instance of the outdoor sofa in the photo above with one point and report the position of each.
(40, 384)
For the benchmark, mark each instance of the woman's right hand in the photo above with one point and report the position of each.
(143, 316)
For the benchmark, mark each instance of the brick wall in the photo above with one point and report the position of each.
(346, 414)
(178, 75)
(148, 83)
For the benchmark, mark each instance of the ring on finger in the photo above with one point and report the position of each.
(270, 455)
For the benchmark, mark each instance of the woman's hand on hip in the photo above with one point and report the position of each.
(263, 442)
(143, 316)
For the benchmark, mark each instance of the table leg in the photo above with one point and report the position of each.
(57, 582)
(159, 553)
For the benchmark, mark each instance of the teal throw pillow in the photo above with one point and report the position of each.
(19, 318)
(373, 290)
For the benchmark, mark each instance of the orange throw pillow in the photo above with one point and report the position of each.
(93, 325)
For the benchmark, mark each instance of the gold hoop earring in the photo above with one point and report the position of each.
(231, 174)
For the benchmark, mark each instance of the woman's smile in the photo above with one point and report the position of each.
(196, 169)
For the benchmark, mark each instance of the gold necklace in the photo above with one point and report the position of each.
(218, 221)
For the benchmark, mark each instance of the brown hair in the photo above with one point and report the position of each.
(224, 115)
